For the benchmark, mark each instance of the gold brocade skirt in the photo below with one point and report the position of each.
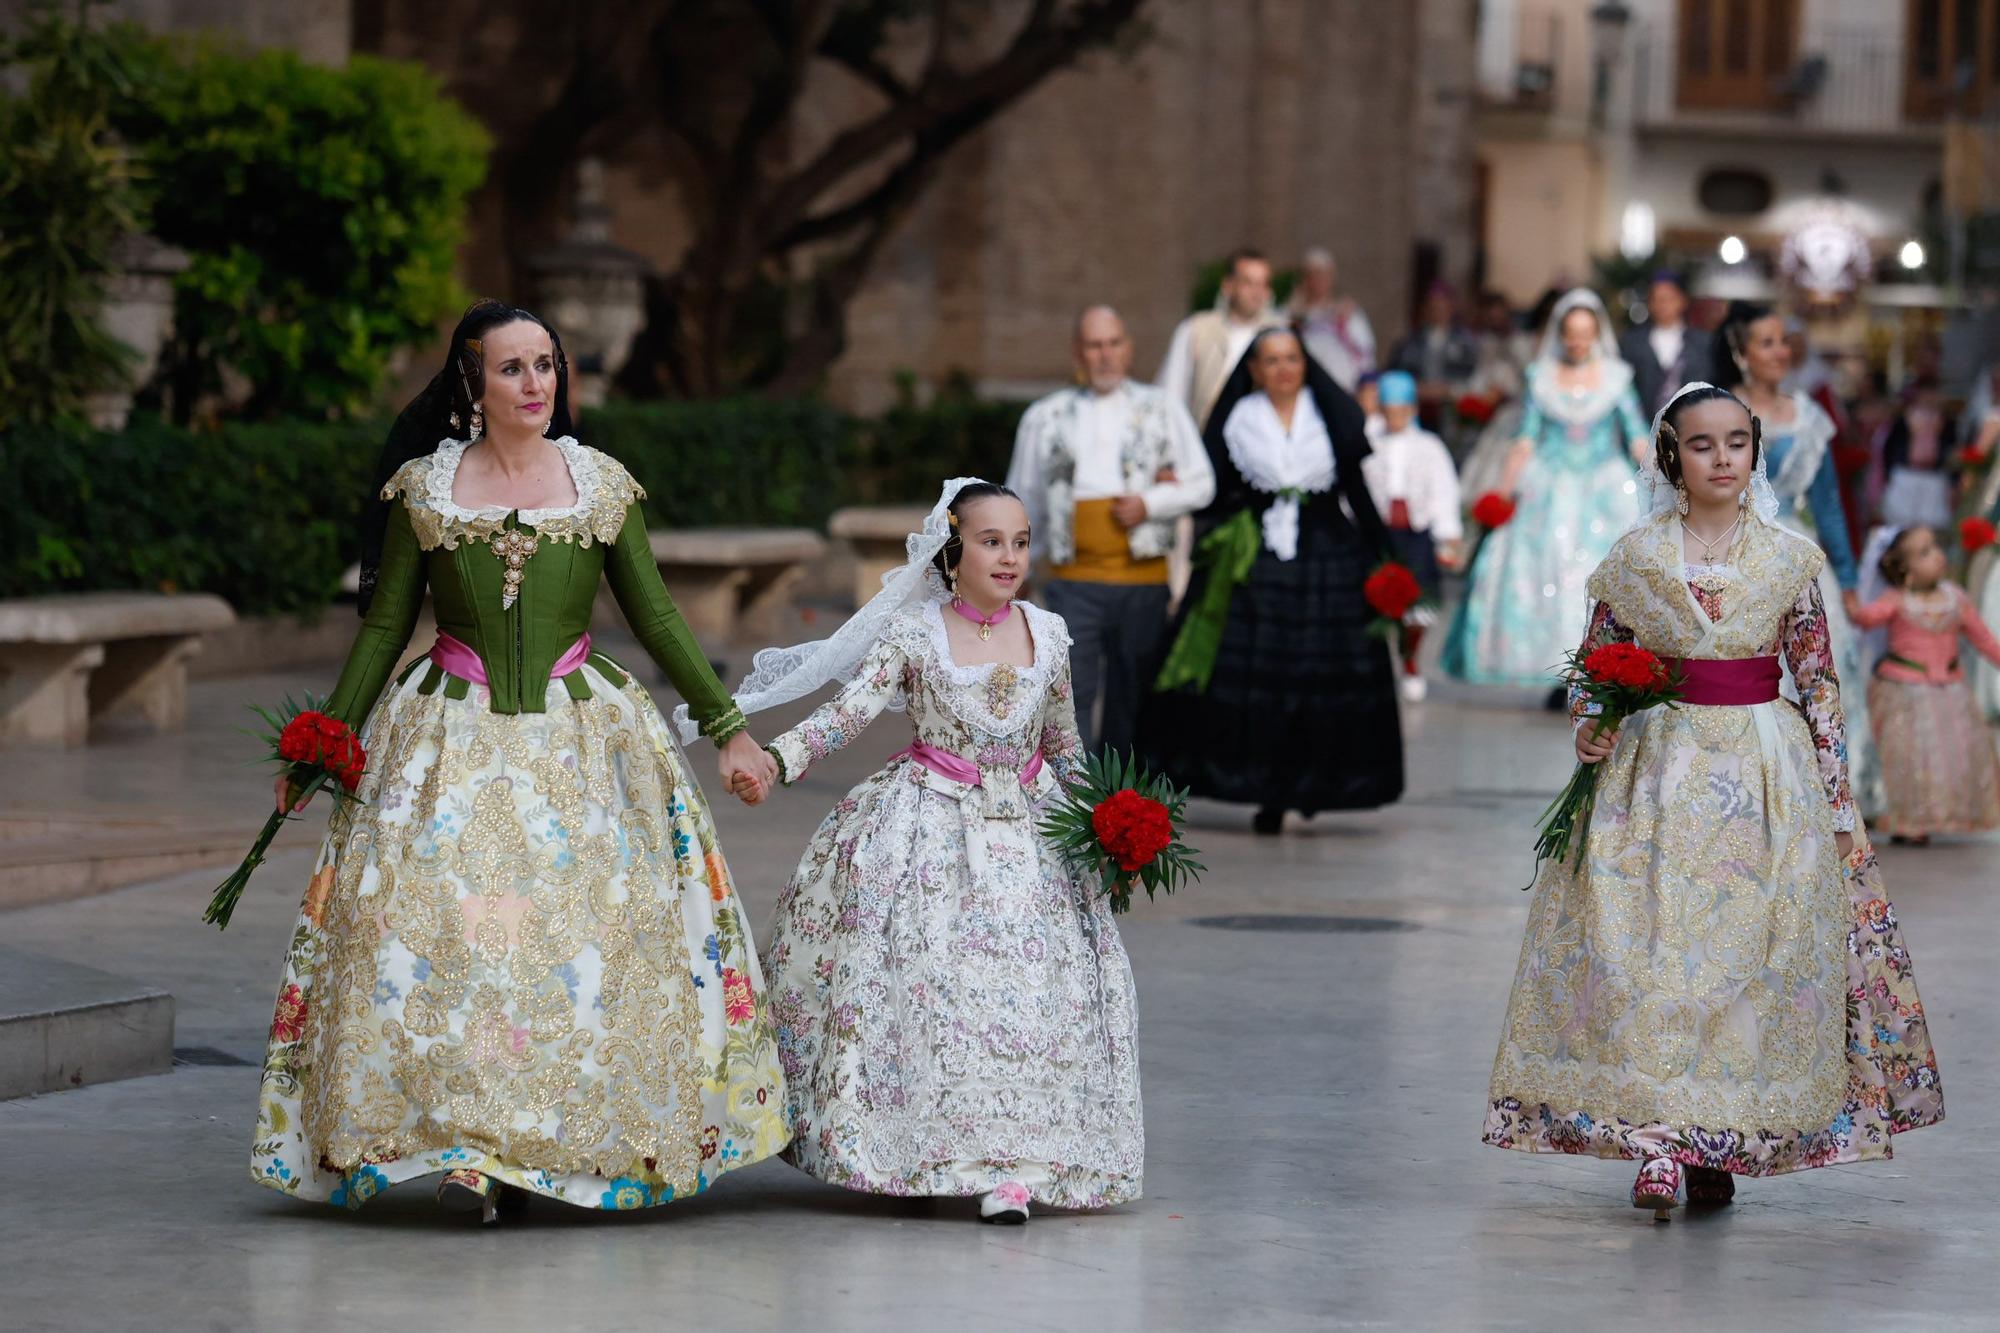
(1712, 982)
(522, 954)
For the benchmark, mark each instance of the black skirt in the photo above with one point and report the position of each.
(1301, 711)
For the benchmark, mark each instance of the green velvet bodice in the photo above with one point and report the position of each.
(463, 557)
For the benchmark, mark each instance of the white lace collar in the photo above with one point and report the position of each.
(604, 491)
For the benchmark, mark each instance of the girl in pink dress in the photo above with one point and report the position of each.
(1938, 763)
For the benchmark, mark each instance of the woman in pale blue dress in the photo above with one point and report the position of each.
(1575, 489)
(1751, 349)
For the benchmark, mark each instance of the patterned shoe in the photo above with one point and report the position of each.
(470, 1192)
(1005, 1205)
(1709, 1188)
(1659, 1187)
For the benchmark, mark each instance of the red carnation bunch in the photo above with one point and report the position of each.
(327, 742)
(1391, 591)
(1476, 408)
(1132, 828)
(1492, 510)
(1976, 533)
(315, 748)
(1619, 679)
(1120, 824)
(1973, 456)
(1625, 664)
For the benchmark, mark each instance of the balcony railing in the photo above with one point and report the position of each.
(1841, 83)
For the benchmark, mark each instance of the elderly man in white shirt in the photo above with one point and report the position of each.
(1105, 470)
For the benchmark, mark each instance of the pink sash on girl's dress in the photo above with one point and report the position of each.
(948, 765)
(1735, 682)
(461, 659)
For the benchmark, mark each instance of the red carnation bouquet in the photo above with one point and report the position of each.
(1976, 533)
(1492, 510)
(1119, 823)
(1476, 408)
(1621, 679)
(1392, 590)
(316, 749)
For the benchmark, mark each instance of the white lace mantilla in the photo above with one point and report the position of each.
(604, 491)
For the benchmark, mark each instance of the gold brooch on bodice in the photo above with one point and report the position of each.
(515, 547)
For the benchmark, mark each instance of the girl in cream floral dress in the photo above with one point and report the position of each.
(955, 1011)
(1717, 985)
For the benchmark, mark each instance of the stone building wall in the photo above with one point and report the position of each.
(319, 30)
(1274, 123)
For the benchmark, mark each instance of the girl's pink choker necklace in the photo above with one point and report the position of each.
(979, 618)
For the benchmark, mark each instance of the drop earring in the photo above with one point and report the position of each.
(478, 422)
(1682, 503)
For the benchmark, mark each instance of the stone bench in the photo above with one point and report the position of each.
(67, 660)
(735, 583)
(878, 534)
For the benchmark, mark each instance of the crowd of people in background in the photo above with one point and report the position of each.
(1500, 452)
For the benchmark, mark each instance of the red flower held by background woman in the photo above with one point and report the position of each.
(1391, 591)
(1492, 510)
(1976, 533)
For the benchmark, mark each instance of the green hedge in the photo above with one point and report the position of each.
(737, 461)
(268, 515)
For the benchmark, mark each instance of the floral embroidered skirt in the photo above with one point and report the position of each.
(1939, 771)
(1712, 982)
(522, 954)
(954, 1009)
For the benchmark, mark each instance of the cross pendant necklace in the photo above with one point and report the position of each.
(515, 547)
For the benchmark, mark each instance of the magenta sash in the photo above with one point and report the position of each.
(461, 659)
(1737, 682)
(948, 765)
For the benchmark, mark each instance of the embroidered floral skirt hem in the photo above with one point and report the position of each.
(953, 1008)
(1713, 983)
(521, 954)
(1939, 770)
(1892, 1083)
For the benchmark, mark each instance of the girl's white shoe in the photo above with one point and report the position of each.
(1006, 1204)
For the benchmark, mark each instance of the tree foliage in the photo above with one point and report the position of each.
(788, 208)
(322, 208)
(66, 198)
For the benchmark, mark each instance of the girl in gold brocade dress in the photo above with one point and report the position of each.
(1717, 986)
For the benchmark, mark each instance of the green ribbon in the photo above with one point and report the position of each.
(1227, 554)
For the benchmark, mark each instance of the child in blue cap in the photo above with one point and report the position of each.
(1415, 486)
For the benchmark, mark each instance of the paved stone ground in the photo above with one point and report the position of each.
(1313, 1100)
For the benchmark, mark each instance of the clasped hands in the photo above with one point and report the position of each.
(748, 770)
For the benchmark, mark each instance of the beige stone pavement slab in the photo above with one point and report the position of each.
(1313, 1109)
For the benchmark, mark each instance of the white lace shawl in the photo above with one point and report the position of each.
(1275, 461)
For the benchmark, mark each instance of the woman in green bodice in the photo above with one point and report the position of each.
(520, 962)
